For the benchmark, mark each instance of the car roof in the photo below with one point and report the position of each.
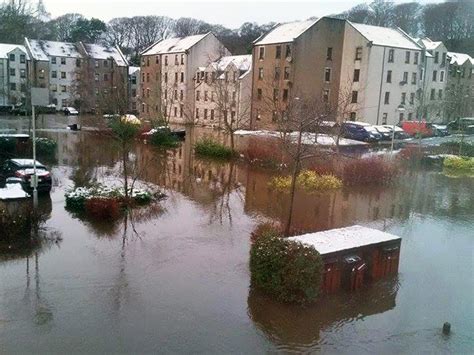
(358, 123)
(26, 162)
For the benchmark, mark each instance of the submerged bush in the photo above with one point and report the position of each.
(101, 208)
(209, 148)
(7, 147)
(286, 270)
(459, 166)
(309, 181)
(369, 171)
(45, 147)
(164, 138)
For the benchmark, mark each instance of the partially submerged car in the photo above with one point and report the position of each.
(440, 130)
(23, 169)
(360, 131)
(70, 111)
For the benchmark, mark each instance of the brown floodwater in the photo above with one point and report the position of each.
(175, 279)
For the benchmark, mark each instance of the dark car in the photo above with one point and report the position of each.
(70, 111)
(360, 131)
(23, 169)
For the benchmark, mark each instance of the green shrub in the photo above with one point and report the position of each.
(459, 166)
(286, 270)
(308, 180)
(209, 148)
(45, 147)
(164, 138)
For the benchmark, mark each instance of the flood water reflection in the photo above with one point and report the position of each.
(181, 283)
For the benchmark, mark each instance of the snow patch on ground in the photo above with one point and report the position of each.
(12, 192)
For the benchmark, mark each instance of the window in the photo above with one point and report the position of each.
(407, 57)
(436, 57)
(327, 75)
(182, 59)
(329, 53)
(157, 59)
(198, 95)
(386, 100)
(435, 75)
(276, 92)
(166, 60)
(176, 94)
(22, 73)
(165, 95)
(384, 118)
(22, 58)
(53, 60)
(12, 57)
(134, 92)
(352, 116)
(96, 77)
(205, 95)
(441, 76)
(175, 77)
(78, 63)
(205, 113)
(12, 72)
(63, 75)
(432, 95)
(410, 116)
(106, 63)
(278, 52)
(12, 86)
(325, 95)
(443, 59)
(260, 73)
(41, 74)
(355, 94)
(391, 55)
(288, 51)
(197, 113)
(401, 117)
(412, 98)
(389, 76)
(415, 60)
(261, 53)
(405, 77)
(54, 87)
(413, 78)
(234, 96)
(181, 95)
(148, 92)
(182, 77)
(212, 115)
(176, 62)
(63, 88)
(258, 116)
(422, 72)
(277, 73)
(440, 94)
(285, 94)
(358, 54)
(143, 77)
(404, 97)
(287, 73)
(63, 61)
(106, 77)
(259, 94)
(356, 75)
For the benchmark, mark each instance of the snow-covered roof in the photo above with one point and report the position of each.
(133, 70)
(286, 32)
(243, 63)
(460, 58)
(173, 45)
(43, 50)
(7, 48)
(384, 36)
(336, 240)
(428, 44)
(98, 51)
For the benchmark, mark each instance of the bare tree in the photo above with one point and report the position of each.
(407, 17)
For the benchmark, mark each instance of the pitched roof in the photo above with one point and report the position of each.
(286, 32)
(173, 45)
(241, 62)
(7, 48)
(43, 50)
(133, 70)
(460, 58)
(384, 36)
(428, 44)
(97, 51)
(335, 240)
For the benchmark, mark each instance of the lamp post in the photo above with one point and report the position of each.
(400, 109)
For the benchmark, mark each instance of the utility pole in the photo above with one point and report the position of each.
(34, 178)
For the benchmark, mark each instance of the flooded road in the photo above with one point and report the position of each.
(181, 283)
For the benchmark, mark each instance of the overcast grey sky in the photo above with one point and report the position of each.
(226, 12)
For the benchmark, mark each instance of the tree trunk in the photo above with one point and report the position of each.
(125, 170)
(231, 139)
(294, 176)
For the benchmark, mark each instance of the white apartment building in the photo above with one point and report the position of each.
(222, 92)
(55, 66)
(168, 70)
(14, 61)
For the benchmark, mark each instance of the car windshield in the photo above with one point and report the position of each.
(371, 129)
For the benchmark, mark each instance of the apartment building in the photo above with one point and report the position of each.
(133, 87)
(168, 70)
(434, 77)
(14, 67)
(460, 86)
(373, 72)
(222, 92)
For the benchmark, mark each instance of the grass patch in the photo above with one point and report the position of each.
(309, 181)
(211, 149)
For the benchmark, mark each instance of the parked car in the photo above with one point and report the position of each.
(465, 124)
(385, 132)
(440, 130)
(399, 132)
(23, 169)
(360, 131)
(70, 111)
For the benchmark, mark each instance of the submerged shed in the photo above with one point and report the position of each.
(354, 255)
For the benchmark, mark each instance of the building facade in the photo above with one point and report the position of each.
(14, 66)
(133, 87)
(222, 93)
(168, 70)
(460, 86)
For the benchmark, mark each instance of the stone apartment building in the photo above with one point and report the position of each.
(222, 92)
(168, 70)
(133, 87)
(77, 74)
(460, 86)
(365, 73)
(14, 66)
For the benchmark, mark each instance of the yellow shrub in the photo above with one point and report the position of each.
(458, 166)
(309, 181)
